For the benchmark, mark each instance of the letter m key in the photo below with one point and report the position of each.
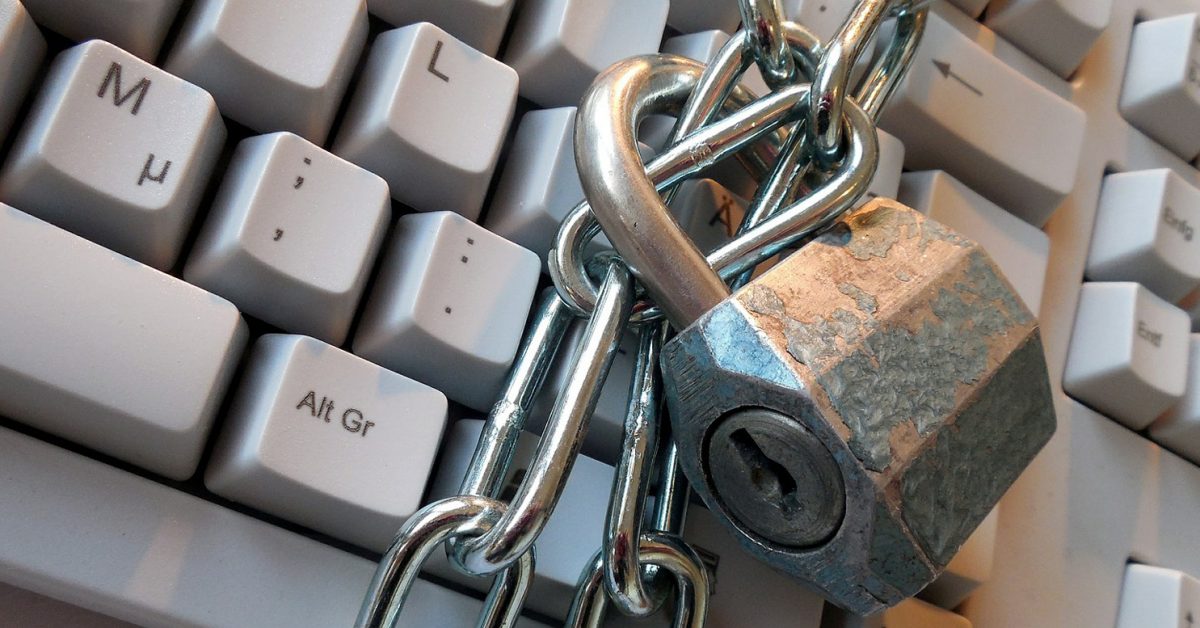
(113, 77)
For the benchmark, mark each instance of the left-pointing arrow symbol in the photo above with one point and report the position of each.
(944, 68)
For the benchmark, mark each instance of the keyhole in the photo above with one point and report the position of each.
(766, 474)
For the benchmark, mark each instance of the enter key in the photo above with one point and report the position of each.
(962, 110)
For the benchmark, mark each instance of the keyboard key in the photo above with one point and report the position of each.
(968, 570)
(270, 68)
(117, 151)
(1145, 225)
(1161, 92)
(292, 235)
(21, 50)
(1179, 429)
(1129, 351)
(1158, 597)
(328, 440)
(449, 306)
(559, 46)
(429, 116)
(1021, 250)
(539, 185)
(1059, 33)
(571, 537)
(886, 182)
(109, 353)
(694, 16)
(177, 554)
(135, 25)
(1005, 136)
(477, 23)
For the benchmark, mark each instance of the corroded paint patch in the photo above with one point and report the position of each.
(864, 300)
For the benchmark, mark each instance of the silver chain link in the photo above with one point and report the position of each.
(811, 171)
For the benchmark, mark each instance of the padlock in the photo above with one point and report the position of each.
(855, 412)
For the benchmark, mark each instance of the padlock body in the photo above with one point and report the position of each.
(899, 346)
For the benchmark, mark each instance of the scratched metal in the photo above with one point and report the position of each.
(900, 345)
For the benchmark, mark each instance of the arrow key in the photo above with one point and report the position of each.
(963, 110)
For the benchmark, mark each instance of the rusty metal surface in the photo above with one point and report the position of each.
(897, 343)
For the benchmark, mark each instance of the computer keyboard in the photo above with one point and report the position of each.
(264, 264)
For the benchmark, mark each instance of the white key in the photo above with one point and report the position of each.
(708, 212)
(607, 424)
(559, 46)
(886, 182)
(328, 440)
(1145, 226)
(429, 116)
(571, 537)
(81, 522)
(115, 150)
(693, 16)
(269, 67)
(292, 235)
(1158, 597)
(1059, 33)
(21, 50)
(449, 306)
(109, 353)
(1161, 92)
(968, 570)
(540, 184)
(1021, 250)
(1129, 351)
(1179, 429)
(1005, 136)
(477, 23)
(135, 25)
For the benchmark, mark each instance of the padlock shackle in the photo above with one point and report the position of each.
(623, 198)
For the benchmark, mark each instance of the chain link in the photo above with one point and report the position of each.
(814, 151)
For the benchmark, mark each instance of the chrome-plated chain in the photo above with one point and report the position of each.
(814, 156)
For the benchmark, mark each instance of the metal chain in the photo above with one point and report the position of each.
(773, 136)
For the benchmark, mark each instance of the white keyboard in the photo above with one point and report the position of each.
(264, 265)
